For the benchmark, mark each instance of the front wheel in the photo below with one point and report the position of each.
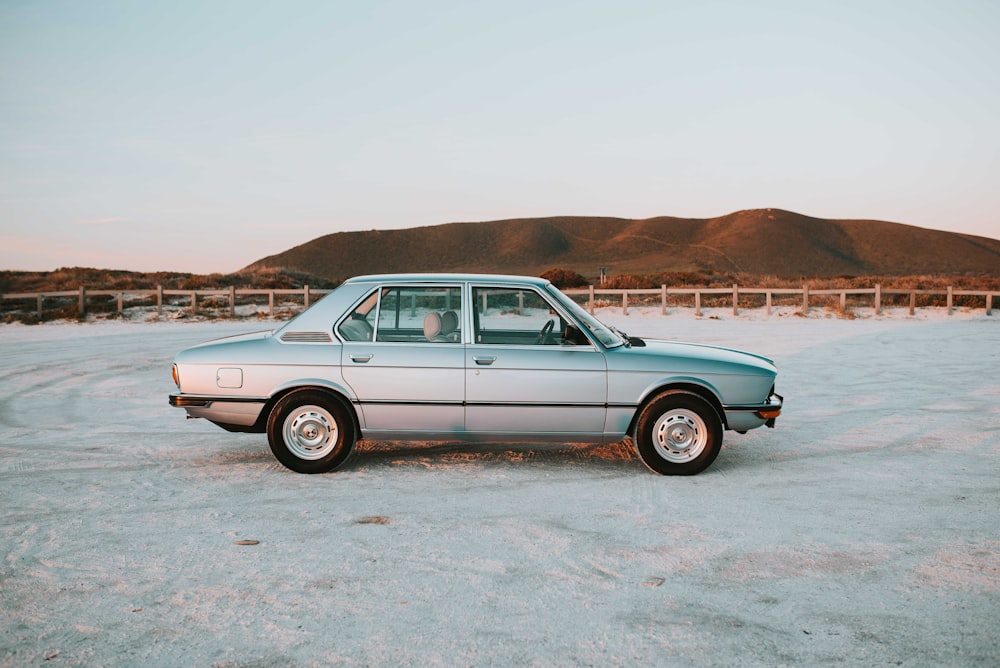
(310, 432)
(678, 433)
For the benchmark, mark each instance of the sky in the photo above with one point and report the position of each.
(201, 136)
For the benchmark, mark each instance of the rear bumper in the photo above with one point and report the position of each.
(238, 411)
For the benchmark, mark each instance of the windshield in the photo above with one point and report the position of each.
(602, 332)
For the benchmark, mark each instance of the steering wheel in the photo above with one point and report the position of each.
(543, 335)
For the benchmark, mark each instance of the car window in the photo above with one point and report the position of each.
(359, 324)
(604, 334)
(408, 314)
(517, 316)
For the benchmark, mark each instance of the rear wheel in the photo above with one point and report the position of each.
(678, 433)
(310, 432)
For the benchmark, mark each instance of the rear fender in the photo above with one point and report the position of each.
(336, 391)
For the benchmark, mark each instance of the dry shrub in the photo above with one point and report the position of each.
(565, 278)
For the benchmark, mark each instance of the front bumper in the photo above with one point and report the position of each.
(772, 410)
(745, 417)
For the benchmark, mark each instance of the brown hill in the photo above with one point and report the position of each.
(759, 241)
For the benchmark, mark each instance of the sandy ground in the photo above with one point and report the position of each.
(864, 530)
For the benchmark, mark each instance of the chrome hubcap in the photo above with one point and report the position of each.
(310, 432)
(680, 435)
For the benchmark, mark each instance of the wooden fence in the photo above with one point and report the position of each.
(164, 297)
(696, 296)
(733, 294)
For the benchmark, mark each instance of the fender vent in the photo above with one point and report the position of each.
(306, 337)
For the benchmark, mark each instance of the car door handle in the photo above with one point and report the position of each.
(361, 359)
(484, 361)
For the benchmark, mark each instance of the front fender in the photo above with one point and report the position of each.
(670, 382)
(687, 383)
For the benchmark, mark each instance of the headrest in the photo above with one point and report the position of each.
(432, 325)
(449, 322)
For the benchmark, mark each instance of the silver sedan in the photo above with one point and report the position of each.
(474, 358)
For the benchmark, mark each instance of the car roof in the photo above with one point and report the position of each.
(501, 279)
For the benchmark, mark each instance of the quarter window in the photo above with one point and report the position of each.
(358, 326)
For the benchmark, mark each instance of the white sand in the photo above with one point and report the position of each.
(864, 530)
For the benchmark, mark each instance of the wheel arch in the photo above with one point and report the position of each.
(335, 393)
(692, 387)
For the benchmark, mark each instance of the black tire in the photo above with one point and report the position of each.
(310, 432)
(678, 433)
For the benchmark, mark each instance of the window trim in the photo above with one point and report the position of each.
(542, 294)
(384, 289)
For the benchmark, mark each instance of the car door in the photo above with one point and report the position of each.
(403, 356)
(521, 379)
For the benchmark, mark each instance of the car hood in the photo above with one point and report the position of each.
(696, 353)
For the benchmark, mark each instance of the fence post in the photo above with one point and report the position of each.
(843, 301)
(950, 299)
(736, 299)
(624, 302)
(663, 299)
(40, 298)
(591, 303)
(913, 302)
(270, 302)
(159, 300)
(83, 302)
(697, 303)
(878, 299)
(805, 298)
(232, 301)
(121, 299)
(194, 302)
(305, 291)
(769, 303)
(989, 303)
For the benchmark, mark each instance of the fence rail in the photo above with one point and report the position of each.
(164, 296)
(874, 295)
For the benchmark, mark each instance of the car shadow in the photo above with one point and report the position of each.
(448, 455)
